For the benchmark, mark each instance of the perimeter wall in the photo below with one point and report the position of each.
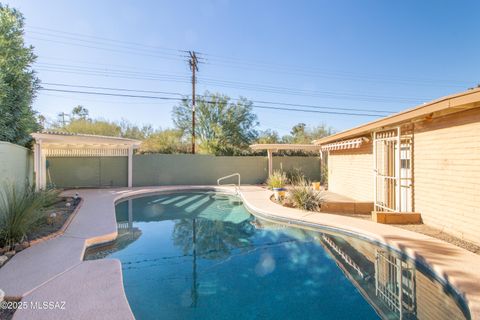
(170, 169)
(16, 164)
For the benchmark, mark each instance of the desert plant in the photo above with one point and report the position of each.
(277, 179)
(20, 210)
(302, 196)
(295, 176)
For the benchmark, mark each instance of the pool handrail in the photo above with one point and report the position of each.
(230, 184)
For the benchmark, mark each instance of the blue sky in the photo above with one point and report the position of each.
(372, 55)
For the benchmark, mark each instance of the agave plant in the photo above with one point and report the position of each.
(20, 210)
(301, 195)
(277, 179)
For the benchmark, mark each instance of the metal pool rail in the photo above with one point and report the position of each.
(231, 184)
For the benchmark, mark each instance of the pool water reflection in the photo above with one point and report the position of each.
(201, 255)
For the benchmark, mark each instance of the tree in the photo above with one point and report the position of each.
(166, 141)
(81, 123)
(301, 134)
(97, 127)
(132, 131)
(18, 81)
(268, 136)
(80, 112)
(222, 127)
(320, 131)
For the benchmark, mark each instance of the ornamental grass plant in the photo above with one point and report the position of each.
(21, 209)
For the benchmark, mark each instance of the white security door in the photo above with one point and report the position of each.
(406, 175)
(392, 171)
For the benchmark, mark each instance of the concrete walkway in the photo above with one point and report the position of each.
(54, 271)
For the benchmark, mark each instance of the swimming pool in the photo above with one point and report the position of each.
(202, 255)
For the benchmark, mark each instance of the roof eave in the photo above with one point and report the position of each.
(83, 138)
(470, 97)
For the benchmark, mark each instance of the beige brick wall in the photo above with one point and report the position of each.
(447, 173)
(350, 172)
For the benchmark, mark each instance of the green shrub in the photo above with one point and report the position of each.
(304, 197)
(20, 210)
(277, 179)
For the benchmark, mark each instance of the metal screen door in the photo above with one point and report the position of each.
(395, 284)
(392, 171)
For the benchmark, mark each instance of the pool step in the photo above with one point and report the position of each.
(236, 201)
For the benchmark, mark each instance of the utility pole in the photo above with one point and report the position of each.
(193, 62)
(63, 114)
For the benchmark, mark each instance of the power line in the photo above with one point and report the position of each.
(268, 88)
(110, 88)
(103, 44)
(244, 63)
(309, 93)
(234, 99)
(346, 75)
(107, 100)
(108, 75)
(318, 107)
(315, 111)
(130, 51)
(185, 99)
(111, 94)
(102, 38)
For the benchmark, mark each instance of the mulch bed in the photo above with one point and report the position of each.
(51, 225)
(55, 218)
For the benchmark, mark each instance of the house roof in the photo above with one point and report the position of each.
(453, 103)
(54, 137)
(285, 146)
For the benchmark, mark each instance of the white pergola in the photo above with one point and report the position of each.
(60, 144)
(275, 147)
(343, 144)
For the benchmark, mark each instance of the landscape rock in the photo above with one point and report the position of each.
(3, 259)
(10, 254)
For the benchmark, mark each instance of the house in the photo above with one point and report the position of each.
(423, 162)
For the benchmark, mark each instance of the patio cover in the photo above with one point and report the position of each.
(60, 144)
(272, 147)
(345, 144)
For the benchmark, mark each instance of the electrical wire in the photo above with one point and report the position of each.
(234, 99)
(184, 99)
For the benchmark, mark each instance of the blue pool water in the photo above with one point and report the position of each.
(202, 255)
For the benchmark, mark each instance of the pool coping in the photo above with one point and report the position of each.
(455, 266)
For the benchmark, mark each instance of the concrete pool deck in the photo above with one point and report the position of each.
(54, 270)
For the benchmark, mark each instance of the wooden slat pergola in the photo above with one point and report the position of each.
(275, 147)
(59, 144)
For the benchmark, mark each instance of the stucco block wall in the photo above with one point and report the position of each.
(350, 172)
(447, 173)
(310, 166)
(169, 169)
(73, 172)
(16, 164)
(186, 169)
